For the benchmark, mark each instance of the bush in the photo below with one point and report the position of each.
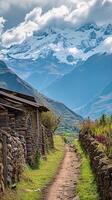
(101, 130)
(50, 120)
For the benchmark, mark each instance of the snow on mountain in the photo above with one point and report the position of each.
(79, 43)
(52, 53)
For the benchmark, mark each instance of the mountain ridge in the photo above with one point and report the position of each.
(54, 52)
(9, 80)
(84, 82)
(102, 104)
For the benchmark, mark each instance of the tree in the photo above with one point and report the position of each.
(50, 120)
(103, 120)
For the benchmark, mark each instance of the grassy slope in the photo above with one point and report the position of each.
(87, 187)
(69, 120)
(37, 179)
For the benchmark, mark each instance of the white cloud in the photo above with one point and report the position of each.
(107, 45)
(6, 5)
(2, 21)
(75, 52)
(24, 4)
(100, 12)
(68, 13)
(34, 21)
(62, 53)
(1, 56)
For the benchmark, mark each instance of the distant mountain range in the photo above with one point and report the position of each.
(69, 119)
(9, 80)
(53, 52)
(69, 65)
(84, 83)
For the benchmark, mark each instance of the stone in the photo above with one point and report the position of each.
(1, 146)
(9, 180)
(100, 164)
(10, 168)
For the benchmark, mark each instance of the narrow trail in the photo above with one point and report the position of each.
(63, 187)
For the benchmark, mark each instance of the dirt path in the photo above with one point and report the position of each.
(63, 187)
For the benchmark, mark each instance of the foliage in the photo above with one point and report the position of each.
(34, 180)
(69, 119)
(69, 137)
(86, 187)
(50, 120)
(101, 129)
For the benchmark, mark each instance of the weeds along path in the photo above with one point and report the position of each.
(63, 187)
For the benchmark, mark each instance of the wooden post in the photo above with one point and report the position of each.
(5, 159)
(38, 123)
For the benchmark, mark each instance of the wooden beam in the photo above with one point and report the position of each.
(20, 99)
(9, 106)
(5, 159)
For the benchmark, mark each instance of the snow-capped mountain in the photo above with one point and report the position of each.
(53, 52)
(71, 42)
(49, 56)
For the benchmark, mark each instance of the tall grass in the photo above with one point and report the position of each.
(87, 186)
(101, 130)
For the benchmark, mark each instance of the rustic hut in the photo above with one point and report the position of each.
(22, 136)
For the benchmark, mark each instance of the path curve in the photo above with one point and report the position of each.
(63, 187)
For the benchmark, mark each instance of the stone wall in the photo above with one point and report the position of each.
(45, 141)
(22, 139)
(12, 158)
(101, 164)
(1, 168)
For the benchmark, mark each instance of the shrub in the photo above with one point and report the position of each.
(101, 130)
(50, 120)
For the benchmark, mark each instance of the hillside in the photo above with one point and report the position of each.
(9, 80)
(100, 105)
(83, 83)
(70, 120)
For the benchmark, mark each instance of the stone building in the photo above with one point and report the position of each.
(22, 136)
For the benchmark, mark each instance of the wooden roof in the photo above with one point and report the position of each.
(14, 97)
(9, 106)
(1, 107)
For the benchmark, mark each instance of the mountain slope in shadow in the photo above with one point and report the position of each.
(10, 81)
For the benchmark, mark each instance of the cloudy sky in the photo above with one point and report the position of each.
(19, 19)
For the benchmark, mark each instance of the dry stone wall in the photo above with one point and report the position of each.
(22, 139)
(1, 167)
(12, 158)
(101, 164)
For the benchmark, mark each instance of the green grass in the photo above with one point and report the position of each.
(86, 187)
(37, 179)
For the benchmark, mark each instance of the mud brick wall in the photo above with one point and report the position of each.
(101, 164)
